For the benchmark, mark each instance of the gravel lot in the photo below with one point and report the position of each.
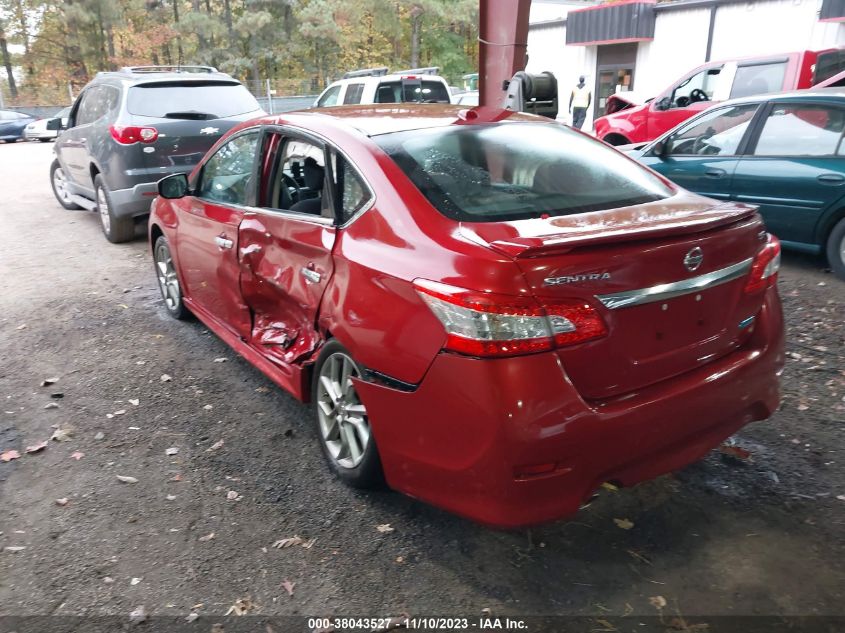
(725, 537)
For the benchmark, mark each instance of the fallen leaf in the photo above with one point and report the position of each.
(220, 360)
(171, 497)
(232, 495)
(8, 456)
(176, 477)
(138, 615)
(288, 542)
(62, 434)
(738, 452)
(262, 389)
(625, 524)
(609, 486)
(57, 395)
(840, 497)
(206, 538)
(608, 627)
(166, 378)
(134, 402)
(77, 455)
(51, 405)
(120, 412)
(217, 445)
(658, 602)
(126, 479)
(49, 381)
(242, 606)
(288, 586)
(208, 407)
(173, 450)
(99, 435)
(61, 502)
(191, 617)
(14, 548)
(385, 528)
(134, 581)
(36, 448)
(22, 326)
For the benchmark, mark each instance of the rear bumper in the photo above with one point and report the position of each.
(461, 438)
(134, 201)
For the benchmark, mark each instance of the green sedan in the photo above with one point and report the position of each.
(784, 153)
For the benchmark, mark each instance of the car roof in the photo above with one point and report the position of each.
(833, 94)
(159, 77)
(373, 120)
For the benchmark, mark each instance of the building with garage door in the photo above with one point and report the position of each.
(642, 46)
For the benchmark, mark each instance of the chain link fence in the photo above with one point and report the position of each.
(283, 95)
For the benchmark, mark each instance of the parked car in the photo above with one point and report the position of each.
(491, 311)
(466, 98)
(781, 152)
(37, 130)
(378, 85)
(629, 121)
(128, 129)
(12, 125)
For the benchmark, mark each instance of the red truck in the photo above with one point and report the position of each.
(628, 122)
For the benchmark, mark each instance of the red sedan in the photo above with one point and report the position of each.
(490, 311)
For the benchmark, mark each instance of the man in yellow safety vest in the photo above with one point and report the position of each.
(579, 101)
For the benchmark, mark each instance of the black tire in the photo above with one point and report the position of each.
(45, 140)
(366, 473)
(168, 280)
(116, 229)
(61, 194)
(836, 249)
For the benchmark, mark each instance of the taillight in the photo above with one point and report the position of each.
(130, 134)
(486, 324)
(764, 269)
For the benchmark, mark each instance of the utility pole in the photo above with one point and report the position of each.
(502, 46)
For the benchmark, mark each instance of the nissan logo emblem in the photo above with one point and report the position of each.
(693, 259)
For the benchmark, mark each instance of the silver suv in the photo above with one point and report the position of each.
(128, 129)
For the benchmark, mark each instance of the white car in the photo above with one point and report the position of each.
(378, 85)
(37, 130)
(469, 98)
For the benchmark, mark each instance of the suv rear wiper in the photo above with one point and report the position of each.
(191, 115)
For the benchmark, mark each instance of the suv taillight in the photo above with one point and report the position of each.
(490, 325)
(131, 134)
(764, 269)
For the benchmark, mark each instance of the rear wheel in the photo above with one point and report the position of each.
(116, 229)
(59, 184)
(45, 140)
(616, 139)
(343, 425)
(168, 280)
(836, 249)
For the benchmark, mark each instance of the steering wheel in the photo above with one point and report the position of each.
(290, 192)
(697, 94)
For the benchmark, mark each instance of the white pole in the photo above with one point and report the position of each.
(269, 98)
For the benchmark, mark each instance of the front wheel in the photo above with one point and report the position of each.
(116, 229)
(58, 180)
(168, 280)
(343, 425)
(836, 249)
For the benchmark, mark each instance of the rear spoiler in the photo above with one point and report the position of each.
(622, 225)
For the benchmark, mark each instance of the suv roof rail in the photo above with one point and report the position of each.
(169, 69)
(366, 72)
(428, 70)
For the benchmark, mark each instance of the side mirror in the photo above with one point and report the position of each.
(54, 124)
(663, 104)
(173, 186)
(662, 148)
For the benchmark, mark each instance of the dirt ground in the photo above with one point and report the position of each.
(195, 533)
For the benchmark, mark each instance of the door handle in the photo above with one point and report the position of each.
(715, 172)
(311, 276)
(831, 179)
(223, 242)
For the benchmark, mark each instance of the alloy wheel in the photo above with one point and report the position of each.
(168, 282)
(344, 425)
(60, 185)
(103, 209)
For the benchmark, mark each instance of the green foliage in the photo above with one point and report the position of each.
(291, 42)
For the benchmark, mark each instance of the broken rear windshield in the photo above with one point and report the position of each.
(512, 171)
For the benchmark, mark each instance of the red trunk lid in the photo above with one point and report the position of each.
(634, 266)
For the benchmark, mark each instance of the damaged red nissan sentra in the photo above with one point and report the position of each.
(490, 311)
